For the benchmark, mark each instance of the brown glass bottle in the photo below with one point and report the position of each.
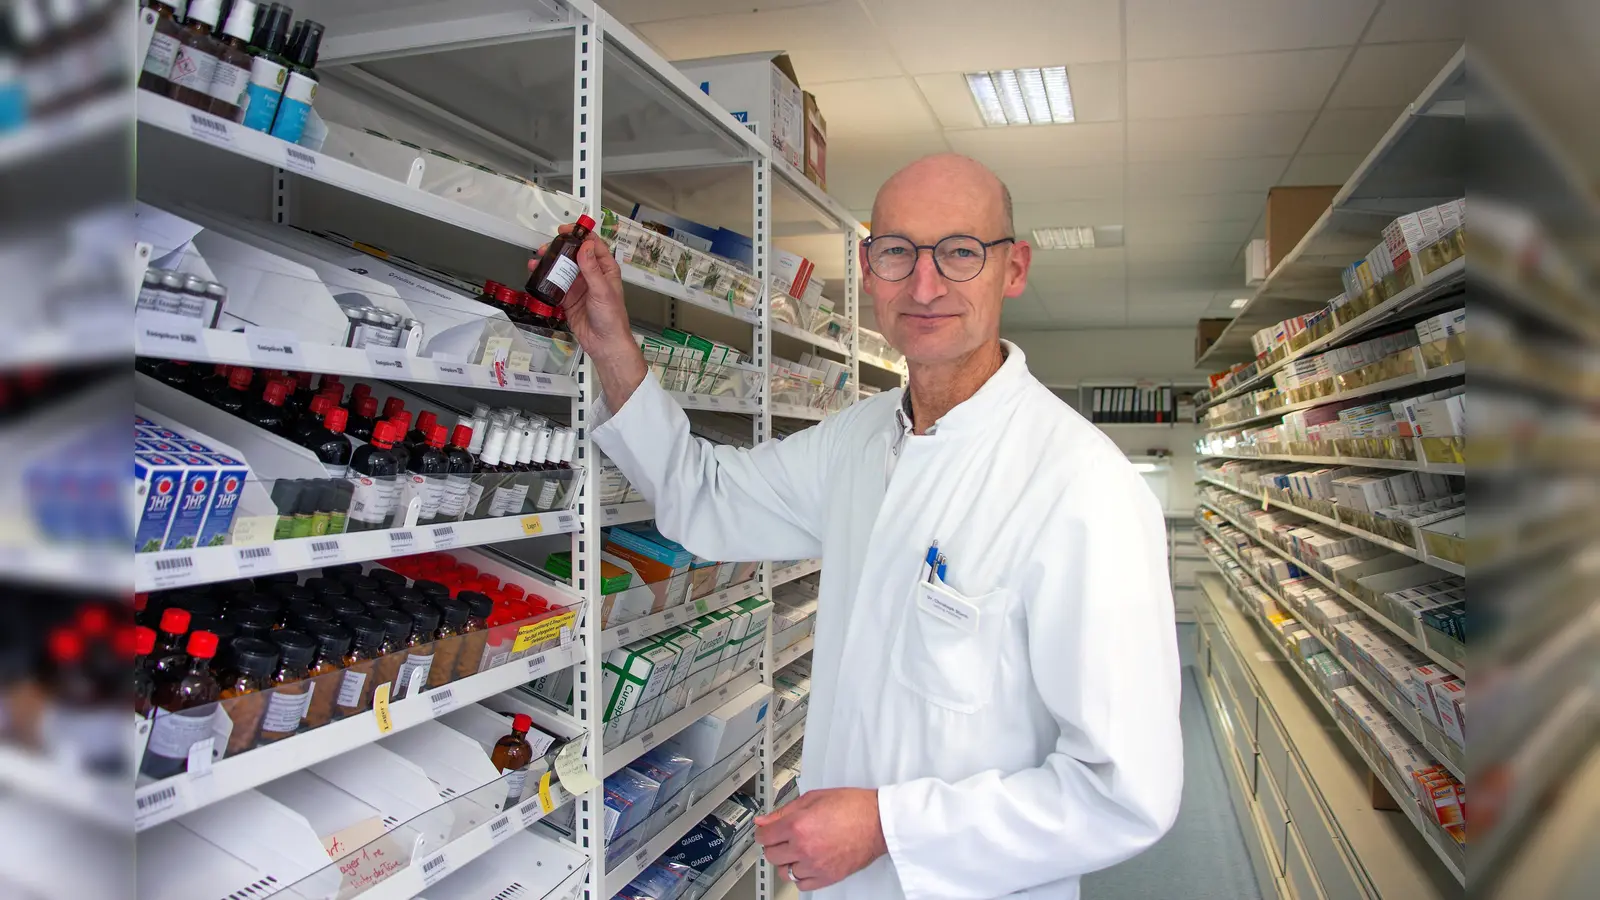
(446, 653)
(291, 691)
(242, 697)
(163, 46)
(333, 645)
(232, 75)
(513, 753)
(195, 62)
(144, 643)
(419, 647)
(168, 662)
(396, 628)
(184, 710)
(558, 268)
(355, 686)
(475, 632)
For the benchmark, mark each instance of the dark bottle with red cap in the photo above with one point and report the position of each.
(459, 465)
(167, 660)
(310, 424)
(269, 413)
(144, 643)
(558, 268)
(329, 443)
(393, 406)
(375, 476)
(401, 422)
(236, 397)
(429, 464)
(419, 435)
(184, 709)
(513, 754)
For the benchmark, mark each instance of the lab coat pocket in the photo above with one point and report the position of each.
(948, 649)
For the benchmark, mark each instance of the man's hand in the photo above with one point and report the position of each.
(599, 319)
(823, 837)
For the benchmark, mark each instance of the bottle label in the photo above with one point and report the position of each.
(193, 68)
(158, 61)
(453, 496)
(374, 498)
(262, 93)
(336, 471)
(350, 687)
(516, 782)
(474, 494)
(507, 500)
(547, 494)
(432, 495)
(172, 734)
(413, 663)
(563, 273)
(228, 82)
(320, 520)
(298, 95)
(284, 711)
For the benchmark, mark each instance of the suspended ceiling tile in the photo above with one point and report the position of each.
(960, 36)
(1321, 168)
(1160, 29)
(826, 42)
(1195, 207)
(1056, 182)
(1057, 213)
(1349, 130)
(1204, 176)
(1184, 232)
(1080, 144)
(634, 12)
(951, 102)
(1228, 85)
(1419, 20)
(874, 106)
(1105, 315)
(1218, 272)
(1099, 263)
(859, 164)
(1194, 251)
(1262, 134)
(1390, 75)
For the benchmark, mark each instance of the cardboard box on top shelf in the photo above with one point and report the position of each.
(1206, 332)
(1291, 211)
(816, 128)
(761, 91)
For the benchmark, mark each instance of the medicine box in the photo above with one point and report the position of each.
(712, 632)
(629, 798)
(761, 91)
(1450, 702)
(719, 734)
(624, 676)
(655, 558)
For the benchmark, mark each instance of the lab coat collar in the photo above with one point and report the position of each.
(983, 407)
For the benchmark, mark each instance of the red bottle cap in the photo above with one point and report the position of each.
(515, 592)
(239, 379)
(202, 645)
(175, 621)
(331, 381)
(383, 435)
(392, 406)
(336, 419)
(491, 287)
(506, 295)
(426, 420)
(221, 369)
(362, 389)
(586, 222)
(320, 404)
(302, 380)
(521, 722)
(65, 645)
(436, 437)
(144, 640)
(366, 407)
(462, 436)
(276, 393)
(94, 621)
(402, 419)
(140, 601)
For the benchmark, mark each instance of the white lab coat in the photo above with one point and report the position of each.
(1009, 759)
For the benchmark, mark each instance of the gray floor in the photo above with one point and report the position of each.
(1203, 856)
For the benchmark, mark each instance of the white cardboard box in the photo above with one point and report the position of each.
(760, 90)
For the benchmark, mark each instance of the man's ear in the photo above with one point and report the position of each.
(1017, 263)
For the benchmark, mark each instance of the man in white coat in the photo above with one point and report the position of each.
(1008, 721)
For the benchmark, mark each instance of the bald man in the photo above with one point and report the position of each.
(994, 701)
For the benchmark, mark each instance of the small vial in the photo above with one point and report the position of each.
(171, 299)
(388, 329)
(411, 336)
(355, 319)
(194, 297)
(150, 292)
(216, 300)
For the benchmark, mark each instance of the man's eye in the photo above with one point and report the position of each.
(962, 253)
(892, 251)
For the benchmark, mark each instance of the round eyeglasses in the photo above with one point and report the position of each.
(959, 257)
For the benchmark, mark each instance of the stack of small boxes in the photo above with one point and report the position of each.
(1432, 788)
(794, 614)
(187, 487)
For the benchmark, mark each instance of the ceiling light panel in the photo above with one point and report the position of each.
(1239, 303)
(1068, 237)
(1022, 96)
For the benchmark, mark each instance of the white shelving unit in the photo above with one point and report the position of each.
(588, 80)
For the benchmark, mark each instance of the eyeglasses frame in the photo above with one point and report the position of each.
(866, 246)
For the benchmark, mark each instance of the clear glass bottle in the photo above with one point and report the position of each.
(489, 473)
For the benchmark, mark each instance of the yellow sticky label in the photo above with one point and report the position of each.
(541, 631)
(524, 638)
(545, 803)
(532, 525)
(371, 250)
(380, 707)
(1264, 499)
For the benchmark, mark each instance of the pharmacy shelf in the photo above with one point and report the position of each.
(1374, 838)
(815, 340)
(525, 866)
(1449, 665)
(725, 882)
(173, 337)
(629, 868)
(207, 565)
(54, 781)
(798, 570)
(1443, 750)
(787, 655)
(411, 881)
(717, 402)
(1419, 162)
(1450, 854)
(796, 411)
(624, 513)
(781, 779)
(168, 798)
(785, 742)
(682, 292)
(44, 138)
(63, 346)
(885, 365)
(1440, 373)
(1370, 462)
(1442, 282)
(1421, 556)
(796, 181)
(108, 569)
(224, 136)
(738, 693)
(616, 636)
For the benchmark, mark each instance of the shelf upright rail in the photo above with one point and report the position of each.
(588, 70)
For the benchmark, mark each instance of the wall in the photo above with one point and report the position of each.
(1060, 358)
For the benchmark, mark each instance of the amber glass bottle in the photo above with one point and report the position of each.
(184, 710)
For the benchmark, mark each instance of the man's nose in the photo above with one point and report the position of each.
(927, 285)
